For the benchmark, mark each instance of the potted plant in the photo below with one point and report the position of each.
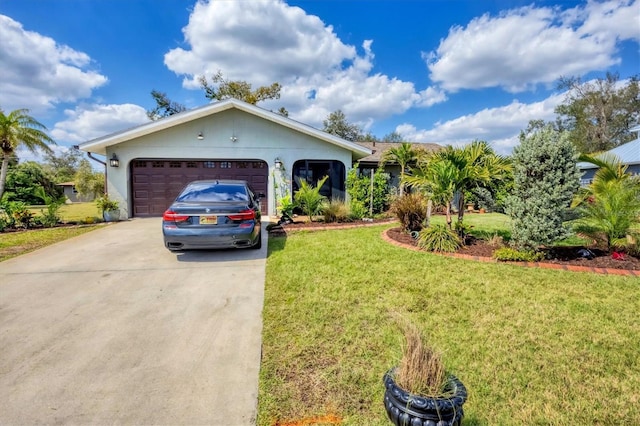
(420, 391)
(109, 208)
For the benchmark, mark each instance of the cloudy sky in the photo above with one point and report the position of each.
(443, 71)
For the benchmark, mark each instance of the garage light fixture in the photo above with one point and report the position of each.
(113, 161)
(278, 163)
(233, 138)
(200, 136)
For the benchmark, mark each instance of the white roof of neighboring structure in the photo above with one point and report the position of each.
(99, 145)
(628, 153)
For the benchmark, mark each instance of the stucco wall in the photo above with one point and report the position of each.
(257, 139)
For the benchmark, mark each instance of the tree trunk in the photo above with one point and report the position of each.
(401, 180)
(3, 173)
(448, 214)
(461, 207)
(429, 208)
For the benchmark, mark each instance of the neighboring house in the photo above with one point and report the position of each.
(628, 153)
(371, 162)
(149, 164)
(70, 192)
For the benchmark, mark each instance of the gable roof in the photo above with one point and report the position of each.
(99, 145)
(378, 148)
(628, 153)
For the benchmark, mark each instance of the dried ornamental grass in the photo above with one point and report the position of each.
(421, 370)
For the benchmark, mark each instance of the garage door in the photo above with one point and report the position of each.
(156, 183)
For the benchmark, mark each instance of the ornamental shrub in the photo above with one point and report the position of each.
(545, 181)
(507, 254)
(309, 199)
(336, 211)
(359, 189)
(439, 238)
(411, 211)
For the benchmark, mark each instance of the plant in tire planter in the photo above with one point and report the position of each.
(419, 392)
(110, 208)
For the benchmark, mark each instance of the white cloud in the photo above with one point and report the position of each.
(499, 126)
(89, 122)
(38, 73)
(266, 41)
(527, 46)
(25, 155)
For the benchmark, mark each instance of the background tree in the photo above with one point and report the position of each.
(394, 137)
(19, 129)
(222, 89)
(25, 181)
(336, 124)
(62, 167)
(599, 114)
(88, 182)
(164, 106)
(218, 90)
(545, 181)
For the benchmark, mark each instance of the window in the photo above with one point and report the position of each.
(139, 164)
(209, 164)
(225, 164)
(206, 192)
(192, 165)
(175, 164)
(157, 164)
(258, 164)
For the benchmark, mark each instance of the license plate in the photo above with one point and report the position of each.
(208, 220)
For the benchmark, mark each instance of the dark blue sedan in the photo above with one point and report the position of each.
(211, 214)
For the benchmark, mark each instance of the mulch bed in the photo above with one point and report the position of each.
(557, 255)
(297, 225)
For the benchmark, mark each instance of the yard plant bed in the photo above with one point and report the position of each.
(556, 255)
(304, 225)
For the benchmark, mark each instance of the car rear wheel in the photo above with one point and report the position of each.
(258, 244)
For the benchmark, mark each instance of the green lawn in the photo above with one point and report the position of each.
(533, 346)
(76, 212)
(13, 244)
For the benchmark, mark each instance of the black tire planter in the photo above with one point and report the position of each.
(407, 409)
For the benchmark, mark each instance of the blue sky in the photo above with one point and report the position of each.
(443, 71)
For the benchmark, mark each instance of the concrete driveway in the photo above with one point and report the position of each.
(111, 328)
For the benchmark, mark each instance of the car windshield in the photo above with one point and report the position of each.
(212, 192)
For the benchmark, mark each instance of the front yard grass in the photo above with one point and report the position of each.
(533, 346)
(13, 244)
(74, 212)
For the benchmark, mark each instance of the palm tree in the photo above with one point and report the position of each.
(404, 155)
(478, 165)
(454, 170)
(436, 178)
(609, 208)
(18, 128)
(610, 168)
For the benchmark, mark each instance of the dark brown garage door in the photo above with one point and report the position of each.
(156, 183)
